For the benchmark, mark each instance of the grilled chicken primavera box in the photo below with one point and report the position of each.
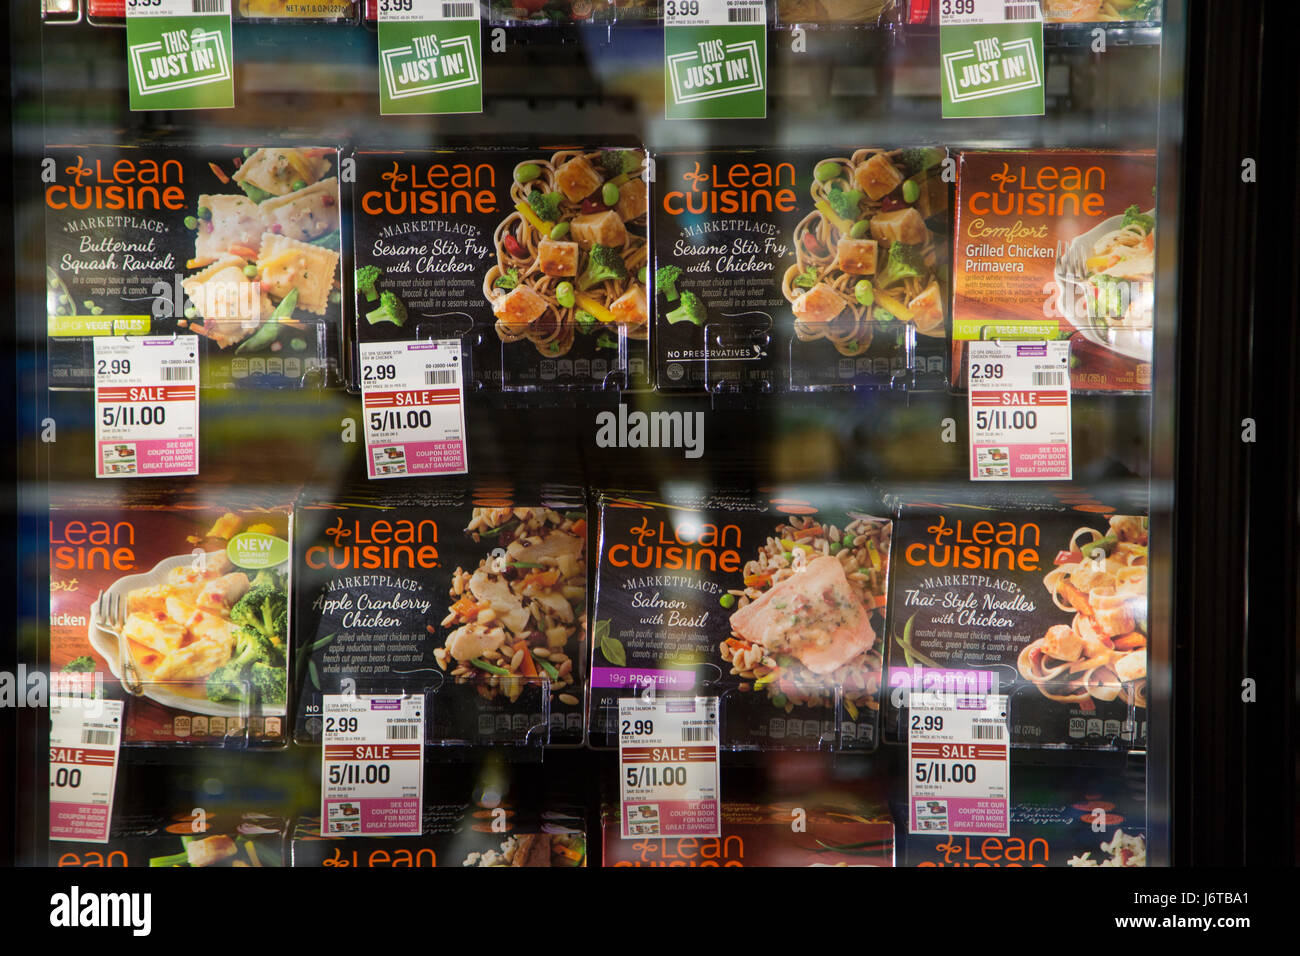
(774, 602)
(536, 259)
(238, 245)
(474, 597)
(1041, 595)
(781, 270)
(176, 602)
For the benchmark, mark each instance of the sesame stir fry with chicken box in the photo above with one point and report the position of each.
(538, 259)
(774, 601)
(475, 598)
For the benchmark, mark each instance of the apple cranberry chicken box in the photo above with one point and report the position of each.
(178, 605)
(1042, 597)
(238, 245)
(774, 601)
(475, 599)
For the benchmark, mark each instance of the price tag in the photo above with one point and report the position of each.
(415, 408)
(179, 54)
(715, 59)
(991, 58)
(146, 406)
(668, 761)
(958, 760)
(85, 736)
(372, 765)
(1019, 404)
(430, 57)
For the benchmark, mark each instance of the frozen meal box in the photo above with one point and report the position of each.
(772, 601)
(179, 603)
(240, 246)
(223, 838)
(839, 833)
(1045, 602)
(537, 259)
(1058, 817)
(800, 269)
(474, 598)
(1059, 244)
(454, 835)
(791, 12)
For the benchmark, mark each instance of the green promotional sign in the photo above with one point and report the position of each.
(430, 57)
(992, 69)
(715, 59)
(177, 58)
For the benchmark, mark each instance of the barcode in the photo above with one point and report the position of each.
(1049, 378)
(986, 732)
(209, 6)
(401, 731)
(1020, 11)
(450, 10)
(176, 373)
(693, 733)
(99, 737)
(439, 376)
(750, 15)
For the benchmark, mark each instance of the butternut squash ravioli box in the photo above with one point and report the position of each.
(238, 245)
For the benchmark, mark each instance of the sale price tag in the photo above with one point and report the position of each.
(715, 59)
(958, 759)
(430, 57)
(179, 54)
(668, 765)
(146, 406)
(1019, 403)
(414, 408)
(372, 765)
(85, 736)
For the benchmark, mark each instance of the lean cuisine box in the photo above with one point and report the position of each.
(774, 602)
(475, 599)
(800, 269)
(1093, 817)
(1044, 600)
(1059, 244)
(288, 10)
(537, 259)
(226, 838)
(840, 833)
(180, 604)
(240, 245)
(455, 834)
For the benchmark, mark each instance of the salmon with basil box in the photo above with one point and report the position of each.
(1040, 595)
(239, 245)
(773, 601)
(799, 270)
(536, 259)
(475, 598)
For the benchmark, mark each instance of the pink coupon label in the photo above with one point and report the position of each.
(414, 408)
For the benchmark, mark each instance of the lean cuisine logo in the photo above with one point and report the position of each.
(75, 909)
(626, 429)
(411, 188)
